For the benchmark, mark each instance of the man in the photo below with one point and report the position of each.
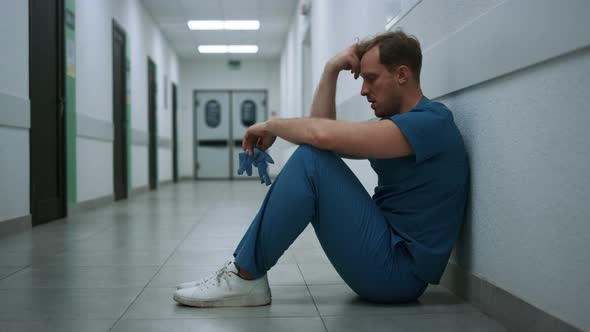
(387, 247)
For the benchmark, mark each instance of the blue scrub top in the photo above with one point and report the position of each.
(423, 195)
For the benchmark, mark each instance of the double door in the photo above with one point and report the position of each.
(221, 119)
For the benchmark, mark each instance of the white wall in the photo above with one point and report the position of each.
(527, 230)
(14, 36)
(94, 171)
(14, 109)
(518, 96)
(94, 88)
(139, 175)
(216, 75)
(14, 182)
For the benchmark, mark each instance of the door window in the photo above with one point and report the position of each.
(212, 113)
(248, 113)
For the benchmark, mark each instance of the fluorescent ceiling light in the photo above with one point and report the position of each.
(228, 49)
(212, 48)
(242, 48)
(205, 25)
(242, 25)
(224, 25)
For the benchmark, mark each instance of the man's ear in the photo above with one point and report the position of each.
(403, 74)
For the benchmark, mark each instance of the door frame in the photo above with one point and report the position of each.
(61, 109)
(231, 128)
(152, 126)
(118, 29)
(174, 91)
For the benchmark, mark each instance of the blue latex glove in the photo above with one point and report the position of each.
(245, 163)
(259, 159)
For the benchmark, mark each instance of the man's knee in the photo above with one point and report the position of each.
(307, 149)
(310, 155)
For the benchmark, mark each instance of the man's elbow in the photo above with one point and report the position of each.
(318, 137)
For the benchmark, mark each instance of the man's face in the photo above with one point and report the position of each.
(379, 85)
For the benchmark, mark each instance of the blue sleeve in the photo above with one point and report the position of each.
(427, 131)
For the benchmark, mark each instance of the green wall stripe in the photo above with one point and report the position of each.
(70, 39)
(156, 125)
(128, 94)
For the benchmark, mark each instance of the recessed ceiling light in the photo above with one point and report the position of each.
(228, 48)
(242, 48)
(242, 25)
(205, 25)
(224, 25)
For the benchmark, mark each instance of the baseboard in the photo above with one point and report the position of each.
(139, 190)
(167, 182)
(145, 189)
(15, 225)
(185, 178)
(91, 204)
(107, 200)
(509, 310)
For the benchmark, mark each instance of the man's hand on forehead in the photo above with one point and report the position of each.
(346, 60)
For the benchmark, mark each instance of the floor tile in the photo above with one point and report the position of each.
(80, 277)
(157, 303)
(246, 212)
(107, 258)
(19, 260)
(320, 274)
(6, 271)
(124, 244)
(78, 226)
(170, 276)
(207, 242)
(146, 238)
(44, 304)
(287, 258)
(33, 244)
(218, 229)
(120, 263)
(307, 239)
(340, 300)
(293, 324)
(444, 322)
(310, 256)
(57, 325)
(285, 275)
(241, 219)
(193, 258)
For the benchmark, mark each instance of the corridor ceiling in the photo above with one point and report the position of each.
(275, 17)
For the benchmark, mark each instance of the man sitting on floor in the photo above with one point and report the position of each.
(387, 247)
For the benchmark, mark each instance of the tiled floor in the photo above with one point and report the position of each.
(114, 268)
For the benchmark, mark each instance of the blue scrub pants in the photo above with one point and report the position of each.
(316, 185)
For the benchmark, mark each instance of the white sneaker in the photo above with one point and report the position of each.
(202, 280)
(226, 289)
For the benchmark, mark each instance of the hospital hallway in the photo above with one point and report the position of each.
(123, 171)
(116, 267)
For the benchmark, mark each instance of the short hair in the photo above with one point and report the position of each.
(395, 48)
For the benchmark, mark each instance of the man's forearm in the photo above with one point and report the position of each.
(324, 99)
(296, 130)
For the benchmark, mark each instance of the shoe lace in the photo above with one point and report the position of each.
(222, 273)
(214, 275)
